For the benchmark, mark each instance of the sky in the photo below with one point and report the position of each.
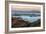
(26, 7)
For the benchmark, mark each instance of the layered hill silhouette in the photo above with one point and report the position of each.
(19, 22)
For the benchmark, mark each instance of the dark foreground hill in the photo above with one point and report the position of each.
(18, 22)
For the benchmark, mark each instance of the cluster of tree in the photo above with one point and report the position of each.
(36, 23)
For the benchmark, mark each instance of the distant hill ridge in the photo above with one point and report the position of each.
(25, 11)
